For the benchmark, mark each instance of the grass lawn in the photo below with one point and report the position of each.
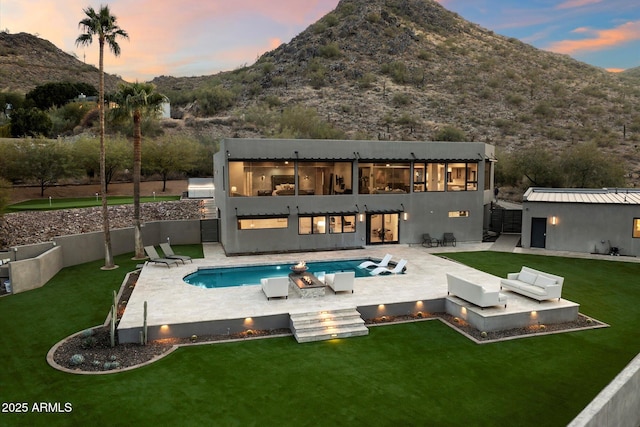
(421, 373)
(80, 202)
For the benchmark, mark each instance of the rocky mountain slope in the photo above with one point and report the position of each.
(27, 61)
(393, 70)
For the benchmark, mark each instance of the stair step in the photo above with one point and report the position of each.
(326, 325)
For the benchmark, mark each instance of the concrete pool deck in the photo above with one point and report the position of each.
(175, 308)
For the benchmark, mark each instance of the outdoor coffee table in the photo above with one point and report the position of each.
(306, 285)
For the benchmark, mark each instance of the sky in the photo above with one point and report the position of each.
(196, 37)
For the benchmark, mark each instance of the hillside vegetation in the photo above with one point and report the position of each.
(407, 70)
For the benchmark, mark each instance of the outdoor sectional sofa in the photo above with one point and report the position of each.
(534, 284)
(474, 293)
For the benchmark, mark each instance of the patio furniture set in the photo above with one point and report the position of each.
(430, 242)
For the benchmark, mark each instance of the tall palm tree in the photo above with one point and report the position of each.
(102, 25)
(137, 100)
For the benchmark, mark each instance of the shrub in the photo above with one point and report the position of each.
(374, 17)
(88, 342)
(366, 81)
(330, 50)
(401, 98)
(397, 71)
(87, 333)
(451, 134)
(76, 359)
(543, 109)
(514, 99)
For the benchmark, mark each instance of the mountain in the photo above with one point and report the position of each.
(27, 61)
(405, 69)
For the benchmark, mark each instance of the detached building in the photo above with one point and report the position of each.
(301, 195)
(582, 220)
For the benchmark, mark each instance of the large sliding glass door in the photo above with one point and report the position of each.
(383, 228)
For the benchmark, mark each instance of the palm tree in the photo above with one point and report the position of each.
(136, 100)
(103, 25)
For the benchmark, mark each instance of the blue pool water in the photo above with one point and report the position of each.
(251, 275)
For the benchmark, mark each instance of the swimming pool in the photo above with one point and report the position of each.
(244, 276)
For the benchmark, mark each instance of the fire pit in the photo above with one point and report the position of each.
(300, 267)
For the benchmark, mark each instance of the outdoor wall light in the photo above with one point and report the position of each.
(361, 217)
(554, 220)
(534, 314)
(405, 216)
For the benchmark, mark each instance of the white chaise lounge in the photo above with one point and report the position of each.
(340, 281)
(386, 270)
(383, 262)
(534, 284)
(275, 287)
(474, 293)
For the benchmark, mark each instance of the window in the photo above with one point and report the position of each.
(384, 178)
(458, 214)
(312, 225)
(636, 227)
(262, 223)
(258, 178)
(342, 224)
(324, 178)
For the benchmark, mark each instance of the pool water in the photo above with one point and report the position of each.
(251, 275)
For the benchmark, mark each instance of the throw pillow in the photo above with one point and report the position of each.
(544, 281)
(527, 277)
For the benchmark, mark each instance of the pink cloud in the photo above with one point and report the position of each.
(600, 39)
(615, 70)
(570, 4)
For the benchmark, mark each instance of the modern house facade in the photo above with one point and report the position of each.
(300, 195)
(582, 220)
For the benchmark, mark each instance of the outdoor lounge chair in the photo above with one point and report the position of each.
(383, 263)
(429, 242)
(168, 253)
(448, 238)
(385, 270)
(155, 258)
(340, 281)
(275, 287)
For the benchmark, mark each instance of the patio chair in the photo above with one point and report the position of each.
(448, 238)
(155, 258)
(428, 241)
(274, 287)
(385, 270)
(168, 253)
(383, 262)
(341, 281)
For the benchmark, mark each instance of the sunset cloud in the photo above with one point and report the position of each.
(600, 39)
(570, 4)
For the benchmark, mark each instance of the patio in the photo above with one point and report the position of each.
(176, 308)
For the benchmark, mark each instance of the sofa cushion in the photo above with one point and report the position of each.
(527, 277)
(544, 281)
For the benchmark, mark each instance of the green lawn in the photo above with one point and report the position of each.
(421, 373)
(80, 202)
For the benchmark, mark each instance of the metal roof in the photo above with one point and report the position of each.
(616, 196)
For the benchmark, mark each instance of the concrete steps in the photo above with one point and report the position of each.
(208, 209)
(326, 325)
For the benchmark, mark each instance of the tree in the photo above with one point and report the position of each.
(102, 25)
(539, 166)
(170, 154)
(58, 94)
(86, 152)
(136, 100)
(45, 161)
(585, 166)
(30, 122)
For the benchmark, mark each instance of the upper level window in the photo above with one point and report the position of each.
(278, 178)
(384, 178)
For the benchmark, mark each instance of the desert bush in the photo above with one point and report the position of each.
(401, 98)
(450, 133)
(268, 67)
(425, 55)
(215, 100)
(330, 51)
(374, 17)
(366, 81)
(543, 109)
(514, 99)
(300, 122)
(319, 27)
(397, 70)
(331, 20)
